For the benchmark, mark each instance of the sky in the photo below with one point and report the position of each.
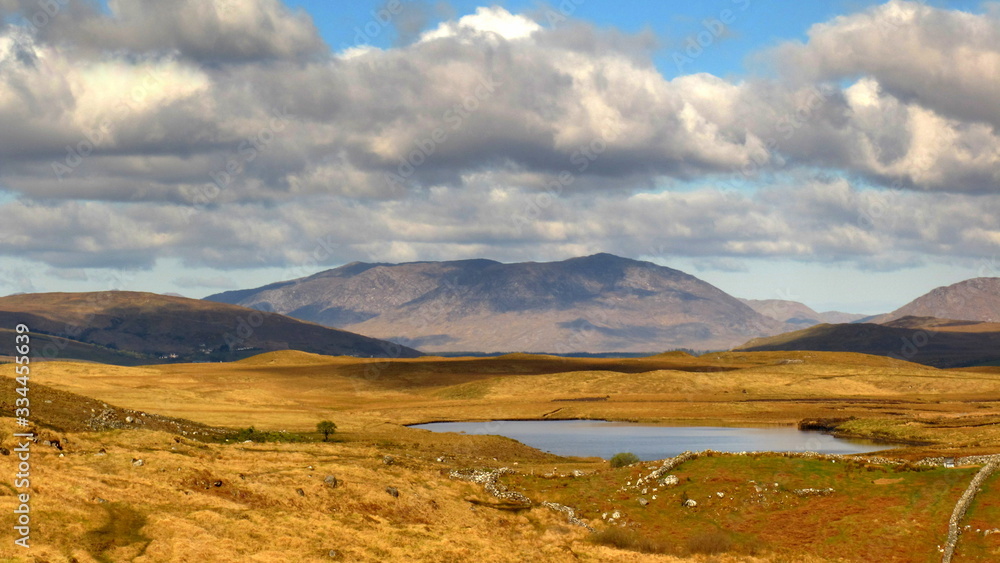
(841, 153)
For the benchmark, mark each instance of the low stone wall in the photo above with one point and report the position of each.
(955, 522)
(489, 480)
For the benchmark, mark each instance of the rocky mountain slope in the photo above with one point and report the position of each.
(977, 299)
(599, 303)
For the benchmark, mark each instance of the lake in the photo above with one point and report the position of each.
(601, 438)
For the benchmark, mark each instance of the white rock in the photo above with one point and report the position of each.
(690, 503)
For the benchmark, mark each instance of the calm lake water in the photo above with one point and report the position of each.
(600, 438)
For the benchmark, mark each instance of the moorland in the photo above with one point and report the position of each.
(221, 461)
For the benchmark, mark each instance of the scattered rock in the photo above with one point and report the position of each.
(138, 462)
(669, 481)
(388, 460)
(690, 503)
(578, 473)
(217, 484)
(643, 501)
(331, 481)
(392, 491)
(300, 492)
(719, 494)
(813, 492)
(129, 419)
(100, 500)
(4, 451)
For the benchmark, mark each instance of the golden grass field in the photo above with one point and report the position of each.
(193, 500)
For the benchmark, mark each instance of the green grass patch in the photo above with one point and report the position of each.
(261, 436)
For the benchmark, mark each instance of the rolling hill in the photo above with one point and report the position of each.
(130, 328)
(977, 299)
(599, 303)
(935, 342)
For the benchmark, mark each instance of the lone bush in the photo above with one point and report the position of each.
(326, 428)
(624, 458)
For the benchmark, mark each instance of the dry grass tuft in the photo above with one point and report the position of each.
(624, 538)
(714, 542)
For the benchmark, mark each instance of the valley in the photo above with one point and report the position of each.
(396, 486)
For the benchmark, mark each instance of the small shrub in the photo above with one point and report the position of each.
(326, 427)
(624, 458)
(710, 543)
(623, 538)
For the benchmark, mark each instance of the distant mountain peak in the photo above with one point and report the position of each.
(596, 303)
(975, 299)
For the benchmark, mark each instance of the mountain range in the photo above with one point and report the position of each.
(799, 315)
(130, 328)
(599, 303)
(942, 343)
(593, 304)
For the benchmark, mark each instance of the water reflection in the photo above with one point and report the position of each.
(601, 438)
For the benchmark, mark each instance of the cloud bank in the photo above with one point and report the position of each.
(227, 134)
